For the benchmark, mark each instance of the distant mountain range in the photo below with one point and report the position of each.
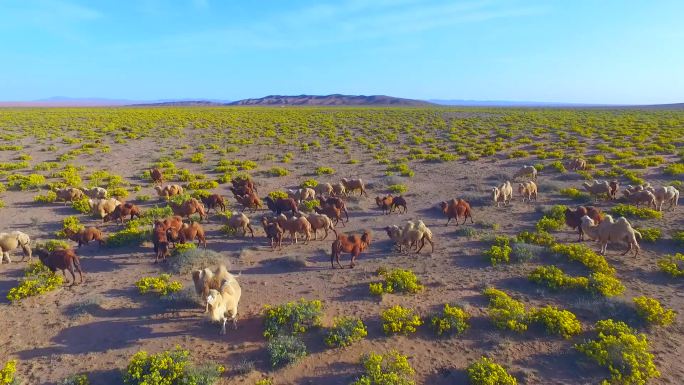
(330, 100)
(315, 100)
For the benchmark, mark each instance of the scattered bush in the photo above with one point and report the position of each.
(562, 322)
(69, 223)
(7, 373)
(285, 350)
(653, 312)
(558, 166)
(585, 256)
(278, 171)
(54, 244)
(400, 320)
(192, 259)
(292, 317)
(48, 197)
(309, 183)
(554, 278)
(397, 281)
(537, 238)
(674, 169)
(678, 237)
(672, 265)
(605, 285)
(553, 220)
(202, 184)
(278, 195)
(487, 372)
(25, 182)
(197, 157)
(500, 252)
(386, 369)
(118, 192)
(171, 367)
(82, 206)
(576, 195)
(38, 279)
(622, 351)
(161, 285)
(129, 237)
(452, 320)
(76, 379)
(650, 235)
(624, 210)
(325, 171)
(505, 312)
(345, 331)
(397, 188)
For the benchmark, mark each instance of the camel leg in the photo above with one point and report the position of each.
(448, 220)
(223, 326)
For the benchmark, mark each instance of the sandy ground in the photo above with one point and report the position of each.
(51, 344)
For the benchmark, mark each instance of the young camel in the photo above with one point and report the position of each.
(349, 243)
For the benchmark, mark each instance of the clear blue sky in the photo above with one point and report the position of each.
(602, 51)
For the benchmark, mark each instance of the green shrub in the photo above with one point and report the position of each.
(325, 170)
(345, 331)
(623, 352)
(264, 381)
(203, 184)
(605, 285)
(505, 312)
(519, 154)
(674, 169)
(197, 158)
(2, 203)
(48, 197)
(71, 223)
(650, 235)
(161, 285)
(278, 195)
(292, 317)
(575, 194)
(537, 238)
(672, 265)
(7, 373)
(25, 182)
(500, 252)
(77, 379)
(82, 206)
(452, 320)
(398, 188)
(653, 312)
(487, 372)
(171, 367)
(128, 237)
(310, 183)
(386, 369)
(285, 350)
(558, 166)
(400, 320)
(553, 220)
(183, 248)
(54, 244)
(585, 256)
(678, 237)
(556, 321)
(118, 192)
(278, 171)
(38, 279)
(554, 278)
(397, 281)
(624, 210)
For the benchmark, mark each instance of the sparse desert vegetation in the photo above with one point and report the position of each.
(508, 296)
